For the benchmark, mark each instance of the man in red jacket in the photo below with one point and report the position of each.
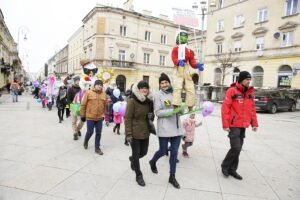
(238, 112)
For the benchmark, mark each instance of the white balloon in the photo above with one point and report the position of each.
(116, 93)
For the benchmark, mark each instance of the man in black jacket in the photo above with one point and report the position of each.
(71, 95)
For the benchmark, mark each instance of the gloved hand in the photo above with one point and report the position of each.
(200, 66)
(181, 63)
(129, 139)
(83, 119)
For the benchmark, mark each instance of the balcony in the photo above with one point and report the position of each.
(122, 64)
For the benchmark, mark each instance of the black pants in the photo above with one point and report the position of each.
(68, 112)
(60, 113)
(231, 161)
(117, 126)
(139, 150)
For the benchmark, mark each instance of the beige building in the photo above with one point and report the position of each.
(61, 66)
(263, 38)
(10, 63)
(75, 52)
(134, 46)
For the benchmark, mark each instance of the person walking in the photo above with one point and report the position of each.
(238, 112)
(136, 126)
(189, 126)
(169, 129)
(14, 88)
(92, 110)
(61, 102)
(72, 92)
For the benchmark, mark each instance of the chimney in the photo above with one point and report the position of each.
(128, 5)
(165, 17)
(147, 12)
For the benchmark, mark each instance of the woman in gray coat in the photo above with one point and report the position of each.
(169, 129)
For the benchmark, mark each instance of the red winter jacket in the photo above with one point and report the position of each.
(238, 109)
(189, 56)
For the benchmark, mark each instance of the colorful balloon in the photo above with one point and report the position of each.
(39, 100)
(122, 109)
(116, 107)
(208, 108)
(116, 93)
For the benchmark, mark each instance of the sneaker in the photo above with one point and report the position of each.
(98, 151)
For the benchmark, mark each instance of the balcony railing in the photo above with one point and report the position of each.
(123, 64)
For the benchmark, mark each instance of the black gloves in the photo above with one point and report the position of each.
(129, 139)
(83, 119)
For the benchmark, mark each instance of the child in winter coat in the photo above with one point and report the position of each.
(117, 120)
(189, 126)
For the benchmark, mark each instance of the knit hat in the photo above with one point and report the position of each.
(164, 77)
(98, 82)
(243, 75)
(143, 84)
(76, 78)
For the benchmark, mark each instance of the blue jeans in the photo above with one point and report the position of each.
(14, 96)
(90, 130)
(163, 148)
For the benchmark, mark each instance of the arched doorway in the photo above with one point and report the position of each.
(121, 82)
(285, 74)
(236, 72)
(258, 75)
(218, 77)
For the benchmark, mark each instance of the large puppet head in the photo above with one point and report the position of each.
(181, 37)
(88, 67)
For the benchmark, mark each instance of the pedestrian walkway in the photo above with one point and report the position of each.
(39, 160)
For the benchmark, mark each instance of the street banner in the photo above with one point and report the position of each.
(185, 17)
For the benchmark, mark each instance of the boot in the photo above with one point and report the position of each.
(98, 151)
(140, 180)
(75, 136)
(59, 120)
(114, 129)
(85, 145)
(118, 131)
(126, 143)
(235, 175)
(131, 163)
(173, 181)
(79, 133)
(153, 167)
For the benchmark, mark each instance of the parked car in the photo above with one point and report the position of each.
(274, 100)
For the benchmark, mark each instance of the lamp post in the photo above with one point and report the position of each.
(23, 30)
(201, 57)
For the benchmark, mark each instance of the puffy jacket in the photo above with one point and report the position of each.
(238, 109)
(189, 126)
(93, 105)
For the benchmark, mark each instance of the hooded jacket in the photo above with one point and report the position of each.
(238, 109)
(72, 92)
(137, 109)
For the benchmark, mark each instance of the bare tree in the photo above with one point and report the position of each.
(225, 60)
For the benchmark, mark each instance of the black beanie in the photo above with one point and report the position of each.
(164, 77)
(243, 75)
(143, 84)
(98, 82)
(76, 78)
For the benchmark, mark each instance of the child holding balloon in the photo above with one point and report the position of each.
(119, 112)
(189, 126)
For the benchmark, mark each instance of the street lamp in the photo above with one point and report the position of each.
(23, 30)
(200, 74)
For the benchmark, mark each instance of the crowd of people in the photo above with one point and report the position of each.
(97, 106)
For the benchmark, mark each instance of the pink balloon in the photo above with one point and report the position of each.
(122, 110)
(208, 108)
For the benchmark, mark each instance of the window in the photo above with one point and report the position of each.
(239, 21)
(237, 46)
(122, 55)
(146, 78)
(162, 60)
(219, 47)
(262, 15)
(146, 58)
(147, 36)
(291, 7)
(123, 30)
(285, 74)
(260, 43)
(220, 25)
(287, 39)
(163, 39)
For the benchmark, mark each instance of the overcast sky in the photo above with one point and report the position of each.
(50, 23)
